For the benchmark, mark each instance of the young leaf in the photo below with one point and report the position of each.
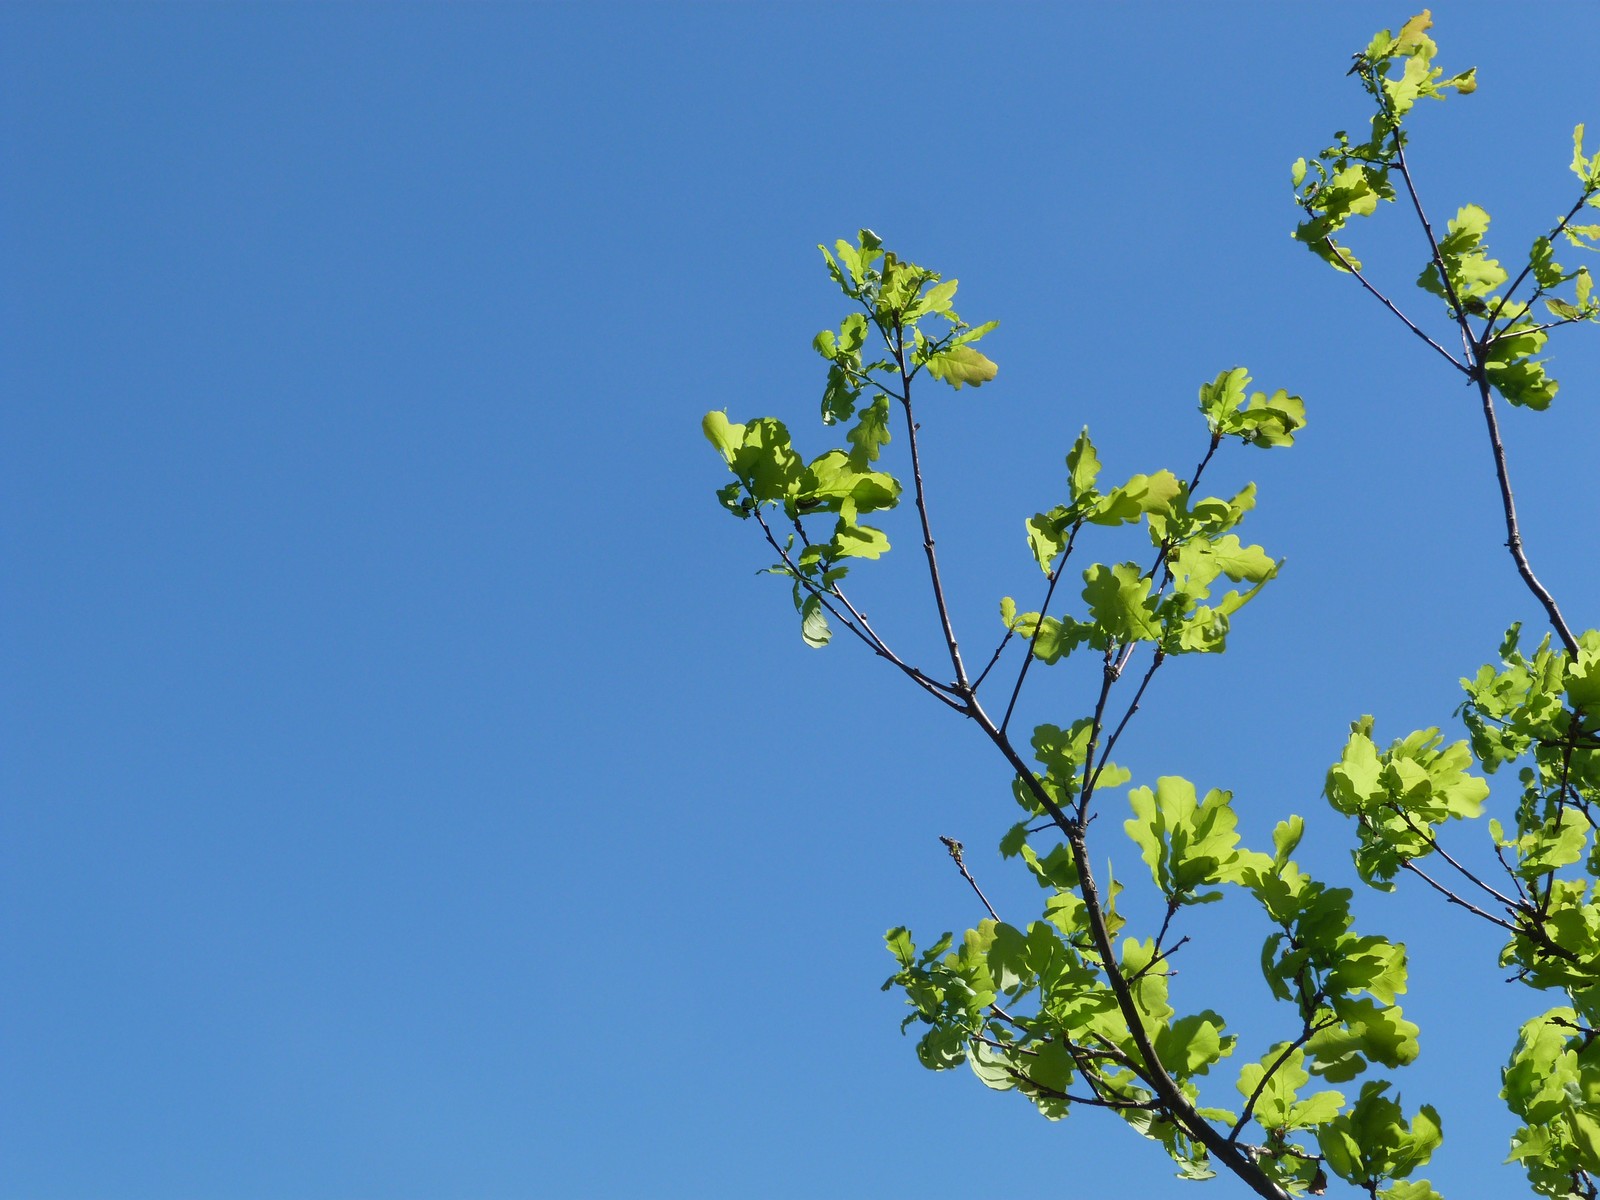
(959, 365)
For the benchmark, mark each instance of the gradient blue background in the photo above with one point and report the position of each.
(409, 788)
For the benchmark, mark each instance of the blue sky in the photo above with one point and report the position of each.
(412, 791)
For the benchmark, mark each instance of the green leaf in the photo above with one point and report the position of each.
(1083, 467)
(959, 365)
(1279, 1105)
(1472, 273)
(1120, 602)
(1374, 1142)
(871, 432)
(1367, 1031)
(859, 541)
(1191, 1045)
(936, 300)
(1264, 421)
(1186, 844)
(814, 623)
(722, 434)
(1285, 837)
(1410, 1189)
(1047, 536)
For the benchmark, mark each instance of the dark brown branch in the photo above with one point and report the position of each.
(1468, 342)
(1513, 531)
(825, 597)
(1108, 678)
(1310, 1031)
(1433, 844)
(1155, 662)
(1455, 899)
(1475, 349)
(1092, 1101)
(1390, 305)
(956, 664)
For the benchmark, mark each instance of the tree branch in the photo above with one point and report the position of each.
(1183, 1113)
(1391, 306)
(1475, 348)
(1509, 506)
(825, 596)
(899, 349)
(1049, 592)
(954, 847)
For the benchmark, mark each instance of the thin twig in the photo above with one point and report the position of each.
(1390, 305)
(1474, 349)
(872, 640)
(1455, 899)
(1311, 1030)
(1049, 592)
(898, 346)
(1155, 662)
(1433, 844)
(1518, 281)
(1468, 342)
(1108, 678)
(954, 847)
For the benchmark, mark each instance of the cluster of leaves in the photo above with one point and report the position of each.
(1543, 712)
(1502, 335)
(1540, 713)
(896, 299)
(1032, 1010)
(1164, 604)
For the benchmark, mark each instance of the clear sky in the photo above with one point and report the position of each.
(409, 788)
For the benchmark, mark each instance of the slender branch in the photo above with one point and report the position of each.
(994, 660)
(877, 645)
(1049, 593)
(1468, 342)
(1311, 1030)
(1390, 305)
(1475, 348)
(1159, 957)
(1433, 844)
(1518, 281)
(1182, 1111)
(954, 847)
(1108, 678)
(1155, 662)
(1205, 460)
(876, 640)
(1513, 532)
(1095, 1102)
(922, 512)
(1555, 324)
(1172, 908)
(1455, 899)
